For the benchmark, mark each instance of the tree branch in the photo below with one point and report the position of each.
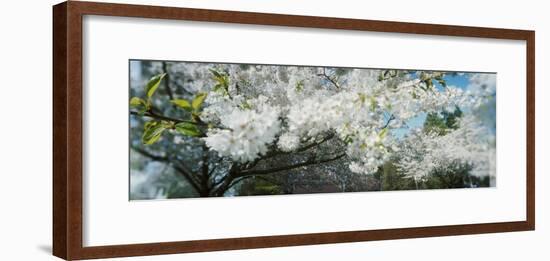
(150, 155)
(160, 117)
(225, 181)
(167, 81)
(212, 170)
(216, 183)
(392, 117)
(237, 180)
(205, 177)
(188, 175)
(289, 167)
(157, 116)
(314, 144)
(302, 149)
(325, 75)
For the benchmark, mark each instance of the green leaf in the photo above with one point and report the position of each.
(348, 139)
(153, 84)
(423, 76)
(216, 73)
(300, 86)
(222, 82)
(362, 98)
(383, 133)
(136, 102)
(152, 132)
(429, 84)
(442, 82)
(199, 99)
(195, 117)
(373, 103)
(139, 104)
(245, 105)
(182, 103)
(188, 129)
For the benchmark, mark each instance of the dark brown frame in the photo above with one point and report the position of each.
(67, 129)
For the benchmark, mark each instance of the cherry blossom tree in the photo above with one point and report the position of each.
(233, 122)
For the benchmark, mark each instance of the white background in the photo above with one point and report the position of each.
(26, 131)
(109, 218)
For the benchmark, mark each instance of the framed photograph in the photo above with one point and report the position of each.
(186, 130)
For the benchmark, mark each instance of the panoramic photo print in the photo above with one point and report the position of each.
(200, 129)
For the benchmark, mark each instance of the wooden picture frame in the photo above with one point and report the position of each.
(68, 118)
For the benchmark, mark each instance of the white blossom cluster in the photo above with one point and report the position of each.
(353, 115)
(249, 134)
(369, 150)
(288, 142)
(290, 106)
(470, 144)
